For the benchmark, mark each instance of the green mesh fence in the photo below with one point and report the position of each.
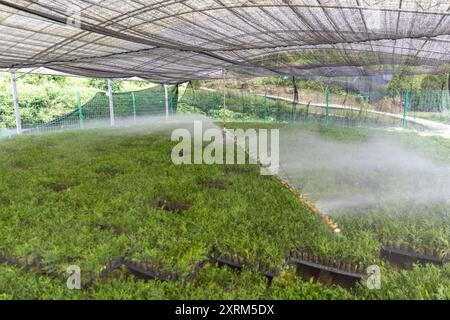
(430, 105)
(341, 110)
(127, 105)
(402, 109)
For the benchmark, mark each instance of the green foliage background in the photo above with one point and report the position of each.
(44, 98)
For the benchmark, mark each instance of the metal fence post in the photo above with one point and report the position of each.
(328, 108)
(80, 110)
(405, 107)
(213, 111)
(111, 102)
(166, 93)
(224, 100)
(133, 97)
(16, 103)
(172, 111)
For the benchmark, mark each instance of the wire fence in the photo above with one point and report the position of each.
(127, 106)
(405, 109)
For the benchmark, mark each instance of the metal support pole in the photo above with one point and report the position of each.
(16, 103)
(405, 107)
(328, 108)
(166, 92)
(448, 82)
(443, 101)
(80, 110)
(133, 97)
(172, 109)
(224, 100)
(111, 103)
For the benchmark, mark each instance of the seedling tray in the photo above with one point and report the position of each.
(144, 272)
(406, 259)
(238, 266)
(300, 262)
(325, 274)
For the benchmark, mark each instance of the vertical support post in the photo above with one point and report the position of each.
(166, 92)
(172, 111)
(328, 108)
(16, 103)
(265, 107)
(405, 107)
(111, 103)
(80, 110)
(224, 100)
(447, 94)
(448, 82)
(133, 98)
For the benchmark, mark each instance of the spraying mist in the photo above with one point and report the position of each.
(340, 175)
(123, 124)
(336, 174)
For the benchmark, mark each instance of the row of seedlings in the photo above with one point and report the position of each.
(404, 255)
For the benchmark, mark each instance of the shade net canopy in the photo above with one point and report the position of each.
(173, 41)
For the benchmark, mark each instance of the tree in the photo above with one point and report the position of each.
(434, 82)
(195, 84)
(102, 84)
(402, 82)
(42, 79)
